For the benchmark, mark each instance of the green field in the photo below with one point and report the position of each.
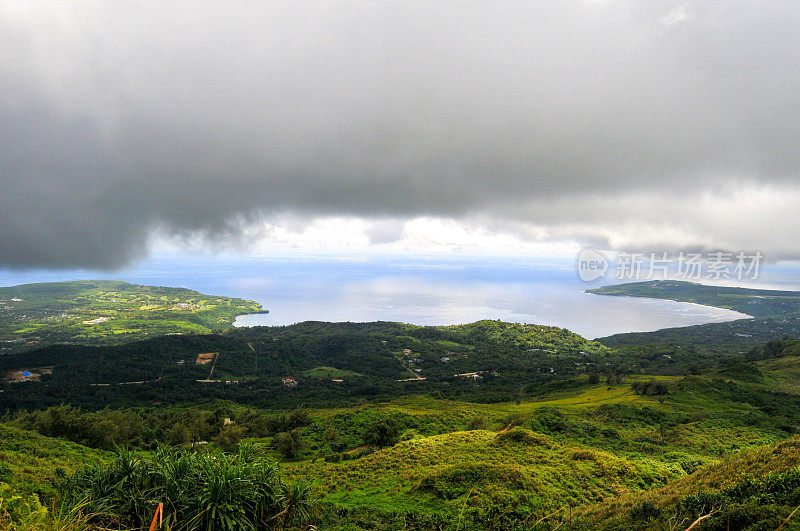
(329, 372)
(101, 311)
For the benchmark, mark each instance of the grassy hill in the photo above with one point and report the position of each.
(625, 455)
(753, 489)
(105, 311)
(30, 462)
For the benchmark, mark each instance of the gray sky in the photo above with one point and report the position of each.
(636, 125)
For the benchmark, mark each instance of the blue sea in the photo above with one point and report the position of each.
(414, 289)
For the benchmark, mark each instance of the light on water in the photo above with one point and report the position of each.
(418, 290)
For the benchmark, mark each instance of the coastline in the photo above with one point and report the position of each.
(639, 297)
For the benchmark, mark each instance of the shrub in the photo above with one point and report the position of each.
(17, 509)
(409, 435)
(584, 455)
(610, 433)
(477, 422)
(381, 432)
(690, 466)
(650, 388)
(522, 436)
(551, 419)
(288, 444)
(199, 491)
(644, 512)
(6, 474)
(229, 437)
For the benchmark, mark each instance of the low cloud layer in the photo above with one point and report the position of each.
(614, 123)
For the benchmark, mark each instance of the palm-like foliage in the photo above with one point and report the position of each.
(200, 491)
(297, 503)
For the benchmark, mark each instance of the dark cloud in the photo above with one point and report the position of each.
(584, 118)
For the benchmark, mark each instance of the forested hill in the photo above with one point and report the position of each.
(754, 302)
(488, 360)
(776, 315)
(108, 311)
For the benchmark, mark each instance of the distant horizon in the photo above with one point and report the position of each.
(427, 290)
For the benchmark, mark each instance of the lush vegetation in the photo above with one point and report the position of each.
(594, 454)
(104, 311)
(490, 425)
(195, 490)
(483, 361)
(755, 302)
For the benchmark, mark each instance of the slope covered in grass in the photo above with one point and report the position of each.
(30, 461)
(769, 475)
(528, 470)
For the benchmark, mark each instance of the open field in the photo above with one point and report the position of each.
(101, 312)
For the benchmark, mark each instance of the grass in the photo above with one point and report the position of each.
(601, 449)
(433, 472)
(758, 462)
(57, 312)
(329, 372)
(30, 462)
(581, 448)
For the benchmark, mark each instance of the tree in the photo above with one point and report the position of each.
(288, 444)
(297, 502)
(381, 432)
(229, 437)
(178, 434)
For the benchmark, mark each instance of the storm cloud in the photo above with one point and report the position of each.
(616, 123)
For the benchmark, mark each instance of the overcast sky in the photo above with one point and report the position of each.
(487, 125)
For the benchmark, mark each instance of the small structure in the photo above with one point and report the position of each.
(406, 351)
(290, 381)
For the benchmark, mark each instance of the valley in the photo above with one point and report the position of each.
(488, 425)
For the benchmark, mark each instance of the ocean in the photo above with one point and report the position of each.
(426, 290)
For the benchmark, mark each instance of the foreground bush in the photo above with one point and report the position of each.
(19, 510)
(199, 491)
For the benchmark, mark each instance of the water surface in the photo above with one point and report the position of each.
(419, 290)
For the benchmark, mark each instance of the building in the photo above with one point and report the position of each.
(290, 381)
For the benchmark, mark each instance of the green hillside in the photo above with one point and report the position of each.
(485, 361)
(106, 311)
(634, 454)
(384, 426)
